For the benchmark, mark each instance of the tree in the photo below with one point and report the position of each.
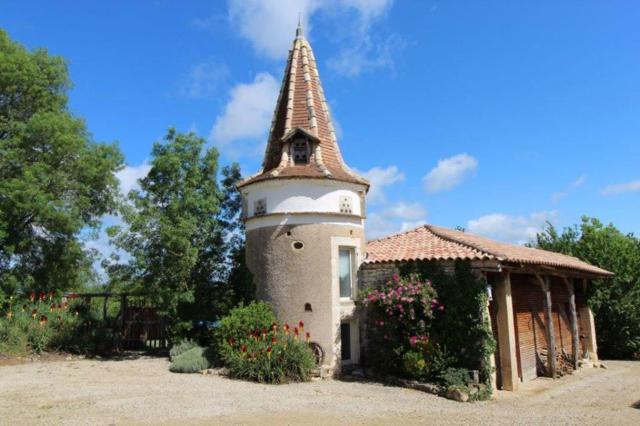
(615, 301)
(55, 181)
(173, 232)
(240, 278)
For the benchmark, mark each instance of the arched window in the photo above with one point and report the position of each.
(300, 151)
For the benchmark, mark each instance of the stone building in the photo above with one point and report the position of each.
(305, 230)
(304, 216)
(537, 307)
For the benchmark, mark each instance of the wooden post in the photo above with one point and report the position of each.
(104, 309)
(550, 334)
(506, 332)
(591, 343)
(575, 343)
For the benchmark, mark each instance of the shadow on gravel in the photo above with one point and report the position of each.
(131, 355)
(636, 405)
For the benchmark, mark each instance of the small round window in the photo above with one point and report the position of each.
(297, 245)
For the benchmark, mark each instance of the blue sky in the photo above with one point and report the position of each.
(491, 115)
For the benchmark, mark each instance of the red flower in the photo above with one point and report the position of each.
(286, 328)
(269, 352)
(274, 326)
(232, 341)
(295, 331)
(32, 296)
(43, 320)
(243, 348)
(73, 295)
(34, 313)
(42, 295)
(274, 340)
(59, 318)
(308, 337)
(301, 325)
(52, 307)
(396, 278)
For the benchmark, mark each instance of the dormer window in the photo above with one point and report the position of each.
(300, 151)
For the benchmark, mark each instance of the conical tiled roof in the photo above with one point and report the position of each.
(302, 107)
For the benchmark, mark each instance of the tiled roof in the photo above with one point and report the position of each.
(302, 106)
(430, 242)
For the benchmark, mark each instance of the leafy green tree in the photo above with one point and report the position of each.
(615, 301)
(240, 278)
(55, 181)
(174, 234)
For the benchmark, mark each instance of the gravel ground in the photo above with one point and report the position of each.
(143, 391)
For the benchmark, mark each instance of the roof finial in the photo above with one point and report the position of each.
(299, 31)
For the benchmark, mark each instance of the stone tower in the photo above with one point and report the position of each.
(304, 213)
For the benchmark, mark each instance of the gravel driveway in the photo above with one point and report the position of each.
(143, 391)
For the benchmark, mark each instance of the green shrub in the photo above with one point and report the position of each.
(274, 356)
(193, 360)
(37, 324)
(181, 347)
(245, 319)
(454, 377)
(254, 347)
(462, 331)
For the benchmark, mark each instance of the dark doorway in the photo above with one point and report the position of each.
(345, 341)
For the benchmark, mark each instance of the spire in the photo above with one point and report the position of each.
(301, 108)
(299, 30)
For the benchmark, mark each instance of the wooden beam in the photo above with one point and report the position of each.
(550, 332)
(505, 323)
(548, 270)
(575, 343)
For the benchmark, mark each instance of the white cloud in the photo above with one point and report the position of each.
(620, 188)
(395, 218)
(380, 178)
(513, 229)
(557, 196)
(405, 211)
(366, 55)
(247, 115)
(130, 175)
(203, 80)
(449, 173)
(269, 26)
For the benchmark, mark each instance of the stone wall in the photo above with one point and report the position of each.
(373, 275)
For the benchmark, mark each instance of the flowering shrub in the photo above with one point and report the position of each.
(463, 329)
(36, 323)
(254, 347)
(400, 316)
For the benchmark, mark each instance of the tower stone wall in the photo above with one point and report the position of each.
(300, 283)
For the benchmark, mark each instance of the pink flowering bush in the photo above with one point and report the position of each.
(399, 317)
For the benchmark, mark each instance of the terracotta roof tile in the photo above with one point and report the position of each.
(430, 242)
(302, 105)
